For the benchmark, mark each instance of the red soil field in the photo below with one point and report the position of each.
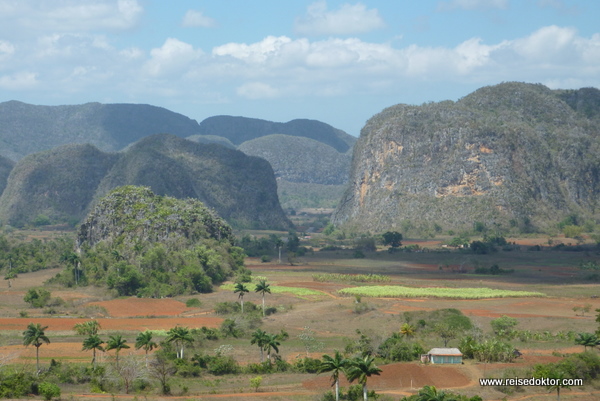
(130, 307)
(402, 375)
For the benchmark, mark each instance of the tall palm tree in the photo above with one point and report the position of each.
(34, 334)
(336, 365)
(271, 343)
(259, 338)
(117, 343)
(93, 342)
(179, 335)
(361, 370)
(144, 340)
(263, 288)
(242, 289)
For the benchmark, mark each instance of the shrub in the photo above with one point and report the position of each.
(37, 298)
(265, 258)
(193, 303)
(49, 390)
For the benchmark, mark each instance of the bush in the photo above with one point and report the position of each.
(49, 390)
(193, 303)
(37, 298)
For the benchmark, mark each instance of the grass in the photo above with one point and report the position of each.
(361, 278)
(395, 291)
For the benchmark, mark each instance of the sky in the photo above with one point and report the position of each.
(339, 62)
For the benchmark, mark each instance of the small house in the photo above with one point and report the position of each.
(443, 355)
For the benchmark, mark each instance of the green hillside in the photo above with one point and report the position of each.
(63, 183)
(6, 165)
(241, 129)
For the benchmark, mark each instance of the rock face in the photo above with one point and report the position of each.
(65, 182)
(515, 153)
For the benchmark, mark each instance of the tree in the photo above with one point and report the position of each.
(255, 382)
(144, 341)
(74, 259)
(37, 298)
(49, 390)
(116, 342)
(361, 369)
(446, 332)
(93, 342)
(34, 335)
(336, 365)
(503, 325)
(89, 328)
(587, 340)
(242, 290)
(263, 288)
(259, 338)
(179, 335)
(392, 238)
(272, 342)
(430, 393)
(407, 330)
(307, 336)
(161, 369)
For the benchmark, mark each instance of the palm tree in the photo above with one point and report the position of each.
(35, 335)
(271, 343)
(116, 342)
(430, 393)
(361, 370)
(336, 365)
(263, 288)
(559, 382)
(144, 340)
(259, 338)
(587, 340)
(407, 330)
(180, 336)
(93, 342)
(242, 289)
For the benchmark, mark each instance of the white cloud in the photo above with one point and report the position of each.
(29, 16)
(18, 81)
(348, 19)
(258, 52)
(173, 57)
(257, 90)
(193, 19)
(472, 4)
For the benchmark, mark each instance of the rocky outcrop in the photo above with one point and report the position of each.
(511, 154)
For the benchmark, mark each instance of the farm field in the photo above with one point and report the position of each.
(301, 302)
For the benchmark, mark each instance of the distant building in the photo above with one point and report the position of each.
(442, 355)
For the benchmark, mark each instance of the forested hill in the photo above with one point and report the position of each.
(26, 128)
(62, 184)
(241, 129)
(513, 154)
(6, 165)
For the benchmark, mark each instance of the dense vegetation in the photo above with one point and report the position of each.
(63, 183)
(138, 243)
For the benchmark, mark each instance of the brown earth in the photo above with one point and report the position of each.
(406, 375)
(133, 307)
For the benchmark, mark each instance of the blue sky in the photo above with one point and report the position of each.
(335, 61)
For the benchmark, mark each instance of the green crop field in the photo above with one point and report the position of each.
(394, 291)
